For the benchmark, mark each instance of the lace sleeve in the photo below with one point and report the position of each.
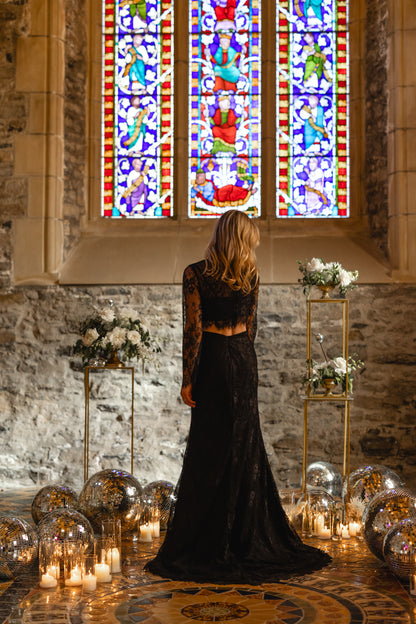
(192, 324)
(252, 314)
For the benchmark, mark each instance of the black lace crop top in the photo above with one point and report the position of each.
(209, 301)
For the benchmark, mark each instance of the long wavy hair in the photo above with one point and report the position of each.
(230, 253)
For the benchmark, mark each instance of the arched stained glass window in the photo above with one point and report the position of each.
(224, 107)
(312, 108)
(137, 126)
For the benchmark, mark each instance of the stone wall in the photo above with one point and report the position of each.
(376, 187)
(42, 394)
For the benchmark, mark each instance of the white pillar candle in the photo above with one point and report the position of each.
(115, 560)
(344, 531)
(48, 581)
(155, 528)
(324, 533)
(102, 572)
(89, 582)
(145, 533)
(354, 528)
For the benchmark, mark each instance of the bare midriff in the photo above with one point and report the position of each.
(226, 331)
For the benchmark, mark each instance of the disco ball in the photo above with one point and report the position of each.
(386, 509)
(399, 548)
(53, 497)
(18, 545)
(163, 495)
(324, 475)
(66, 525)
(367, 481)
(111, 494)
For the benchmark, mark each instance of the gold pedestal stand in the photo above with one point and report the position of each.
(327, 396)
(112, 364)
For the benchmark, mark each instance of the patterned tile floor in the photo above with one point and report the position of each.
(355, 589)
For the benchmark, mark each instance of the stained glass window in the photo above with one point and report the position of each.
(224, 107)
(137, 126)
(312, 108)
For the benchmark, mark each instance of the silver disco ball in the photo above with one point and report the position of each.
(163, 495)
(367, 481)
(386, 509)
(66, 525)
(18, 545)
(324, 475)
(399, 548)
(53, 497)
(111, 494)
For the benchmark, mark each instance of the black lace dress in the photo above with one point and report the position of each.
(228, 524)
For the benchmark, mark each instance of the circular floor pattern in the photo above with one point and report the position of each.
(174, 603)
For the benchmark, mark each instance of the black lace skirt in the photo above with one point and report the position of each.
(228, 524)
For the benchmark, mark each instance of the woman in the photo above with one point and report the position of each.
(228, 524)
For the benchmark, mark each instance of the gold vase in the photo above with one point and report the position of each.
(326, 289)
(113, 361)
(328, 383)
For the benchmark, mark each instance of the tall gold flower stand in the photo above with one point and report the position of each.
(326, 396)
(114, 364)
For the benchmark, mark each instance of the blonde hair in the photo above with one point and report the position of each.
(230, 253)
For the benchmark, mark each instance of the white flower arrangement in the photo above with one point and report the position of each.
(107, 331)
(335, 369)
(317, 272)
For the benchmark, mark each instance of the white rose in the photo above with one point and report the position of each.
(134, 337)
(107, 314)
(89, 337)
(130, 313)
(116, 337)
(345, 278)
(315, 265)
(340, 365)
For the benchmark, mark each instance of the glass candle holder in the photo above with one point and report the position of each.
(103, 566)
(412, 581)
(322, 524)
(340, 526)
(111, 532)
(49, 565)
(89, 578)
(306, 521)
(73, 554)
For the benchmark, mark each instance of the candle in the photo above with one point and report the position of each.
(324, 533)
(102, 572)
(354, 528)
(413, 584)
(48, 581)
(75, 578)
(344, 531)
(155, 528)
(145, 533)
(113, 555)
(89, 582)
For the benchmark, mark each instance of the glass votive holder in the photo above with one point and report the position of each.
(103, 566)
(306, 521)
(73, 554)
(155, 522)
(89, 578)
(49, 565)
(340, 528)
(111, 532)
(322, 524)
(412, 582)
